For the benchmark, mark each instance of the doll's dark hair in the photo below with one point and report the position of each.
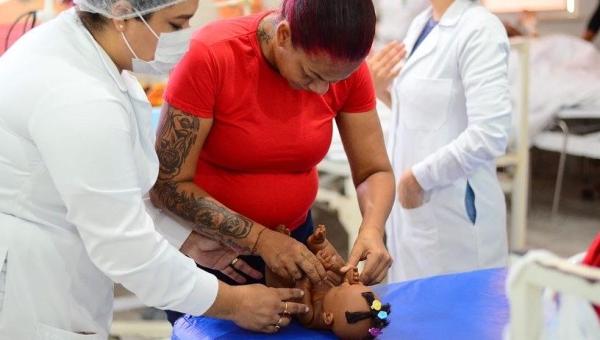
(378, 317)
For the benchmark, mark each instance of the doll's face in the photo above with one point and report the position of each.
(346, 297)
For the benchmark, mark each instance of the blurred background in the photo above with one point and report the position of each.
(551, 174)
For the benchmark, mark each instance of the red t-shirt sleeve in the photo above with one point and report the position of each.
(361, 96)
(592, 258)
(193, 84)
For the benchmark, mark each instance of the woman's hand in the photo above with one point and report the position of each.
(262, 309)
(410, 193)
(385, 66)
(369, 247)
(257, 307)
(214, 255)
(288, 258)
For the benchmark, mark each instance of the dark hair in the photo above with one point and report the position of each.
(95, 22)
(344, 29)
(373, 314)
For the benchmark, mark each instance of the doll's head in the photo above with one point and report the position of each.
(353, 312)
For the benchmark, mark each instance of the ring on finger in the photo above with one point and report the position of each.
(234, 261)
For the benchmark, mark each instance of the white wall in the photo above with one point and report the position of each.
(206, 12)
(569, 26)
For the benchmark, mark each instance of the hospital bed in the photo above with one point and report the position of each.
(460, 306)
(568, 141)
(564, 90)
(473, 305)
(551, 298)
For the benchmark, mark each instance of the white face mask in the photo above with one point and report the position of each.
(170, 49)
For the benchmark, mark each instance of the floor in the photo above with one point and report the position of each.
(578, 219)
(566, 234)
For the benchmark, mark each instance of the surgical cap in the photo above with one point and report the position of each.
(123, 9)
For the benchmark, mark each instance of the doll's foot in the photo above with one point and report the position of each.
(319, 234)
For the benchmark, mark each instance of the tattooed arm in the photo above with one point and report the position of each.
(180, 140)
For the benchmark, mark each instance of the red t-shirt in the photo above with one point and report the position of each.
(592, 258)
(260, 156)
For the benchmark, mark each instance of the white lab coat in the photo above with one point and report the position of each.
(76, 157)
(451, 120)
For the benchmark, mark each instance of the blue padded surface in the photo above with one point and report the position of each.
(461, 306)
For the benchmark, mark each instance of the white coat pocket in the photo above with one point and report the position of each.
(420, 226)
(45, 332)
(424, 103)
(3, 265)
(421, 238)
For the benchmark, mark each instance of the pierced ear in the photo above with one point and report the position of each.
(284, 34)
(119, 24)
(328, 318)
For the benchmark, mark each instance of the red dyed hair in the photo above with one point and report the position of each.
(344, 29)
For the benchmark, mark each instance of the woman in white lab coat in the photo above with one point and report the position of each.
(76, 157)
(451, 121)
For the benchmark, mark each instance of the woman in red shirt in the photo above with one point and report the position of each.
(249, 116)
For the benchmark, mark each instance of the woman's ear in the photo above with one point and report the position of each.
(119, 24)
(284, 34)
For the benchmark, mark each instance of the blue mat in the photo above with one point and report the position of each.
(462, 306)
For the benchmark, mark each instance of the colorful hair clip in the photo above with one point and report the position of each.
(375, 332)
(382, 315)
(376, 305)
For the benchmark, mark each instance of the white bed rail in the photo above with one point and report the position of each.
(518, 156)
(540, 270)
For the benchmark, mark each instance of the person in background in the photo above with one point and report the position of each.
(451, 120)
(593, 26)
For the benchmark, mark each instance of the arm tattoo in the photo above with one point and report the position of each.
(209, 218)
(175, 140)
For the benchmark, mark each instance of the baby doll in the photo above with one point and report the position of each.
(341, 302)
